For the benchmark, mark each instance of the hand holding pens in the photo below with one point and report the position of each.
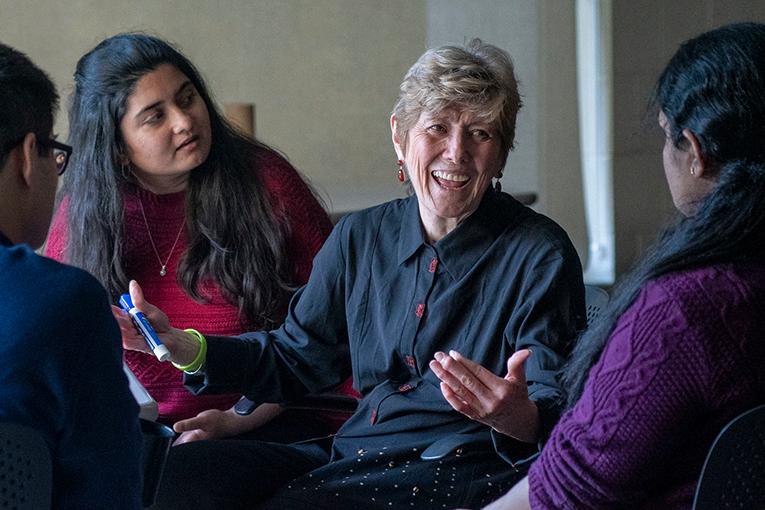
(181, 347)
(143, 326)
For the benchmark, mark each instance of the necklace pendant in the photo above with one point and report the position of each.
(163, 271)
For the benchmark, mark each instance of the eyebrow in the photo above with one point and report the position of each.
(186, 84)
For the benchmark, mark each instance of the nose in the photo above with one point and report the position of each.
(456, 147)
(181, 121)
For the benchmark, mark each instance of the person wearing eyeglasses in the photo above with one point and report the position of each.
(54, 376)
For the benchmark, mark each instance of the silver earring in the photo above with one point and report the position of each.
(694, 165)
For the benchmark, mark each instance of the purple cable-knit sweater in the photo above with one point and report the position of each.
(683, 360)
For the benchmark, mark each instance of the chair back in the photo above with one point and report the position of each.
(595, 300)
(733, 475)
(26, 471)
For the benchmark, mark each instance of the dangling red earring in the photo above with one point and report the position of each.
(497, 184)
(401, 176)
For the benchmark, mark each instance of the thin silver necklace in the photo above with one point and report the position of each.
(163, 270)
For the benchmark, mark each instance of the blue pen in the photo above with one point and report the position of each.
(152, 340)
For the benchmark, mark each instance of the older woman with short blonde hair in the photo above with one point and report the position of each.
(458, 270)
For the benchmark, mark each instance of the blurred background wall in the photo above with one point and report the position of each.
(324, 75)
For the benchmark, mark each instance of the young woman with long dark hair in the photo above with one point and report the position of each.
(679, 351)
(217, 226)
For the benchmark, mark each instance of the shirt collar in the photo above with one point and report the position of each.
(4, 241)
(460, 250)
(411, 236)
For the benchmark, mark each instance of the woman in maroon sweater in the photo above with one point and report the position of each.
(218, 227)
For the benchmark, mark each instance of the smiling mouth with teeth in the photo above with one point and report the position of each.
(450, 180)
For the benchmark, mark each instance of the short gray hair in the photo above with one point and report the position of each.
(478, 78)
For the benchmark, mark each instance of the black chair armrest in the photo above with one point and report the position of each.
(331, 402)
(324, 402)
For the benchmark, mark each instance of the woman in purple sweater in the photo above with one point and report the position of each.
(681, 348)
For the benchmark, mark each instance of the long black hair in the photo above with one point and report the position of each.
(714, 86)
(235, 238)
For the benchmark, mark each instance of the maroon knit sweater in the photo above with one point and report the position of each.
(309, 227)
(682, 361)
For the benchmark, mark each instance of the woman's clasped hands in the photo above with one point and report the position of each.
(499, 402)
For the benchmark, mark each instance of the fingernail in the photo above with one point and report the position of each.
(453, 354)
(439, 356)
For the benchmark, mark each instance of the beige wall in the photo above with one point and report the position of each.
(560, 173)
(323, 73)
(645, 35)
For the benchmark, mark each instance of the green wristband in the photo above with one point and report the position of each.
(195, 365)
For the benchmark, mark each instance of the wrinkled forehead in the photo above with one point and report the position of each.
(463, 113)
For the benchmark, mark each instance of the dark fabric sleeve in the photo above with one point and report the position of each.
(308, 353)
(547, 319)
(65, 379)
(103, 456)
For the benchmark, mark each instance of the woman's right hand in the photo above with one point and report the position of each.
(182, 346)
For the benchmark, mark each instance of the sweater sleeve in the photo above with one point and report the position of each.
(294, 201)
(613, 448)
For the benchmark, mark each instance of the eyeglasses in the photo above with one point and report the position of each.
(61, 153)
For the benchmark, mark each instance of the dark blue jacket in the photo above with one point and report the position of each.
(61, 373)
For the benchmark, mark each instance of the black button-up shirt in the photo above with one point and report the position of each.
(381, 301)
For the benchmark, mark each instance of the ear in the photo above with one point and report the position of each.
(28, 154)
(699, 163)
(395, 138)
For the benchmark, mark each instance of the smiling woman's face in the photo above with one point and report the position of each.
(451, 158)
(165, 129)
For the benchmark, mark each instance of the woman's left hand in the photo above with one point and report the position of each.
(209, 424)
(501, 403)
(216, 424)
